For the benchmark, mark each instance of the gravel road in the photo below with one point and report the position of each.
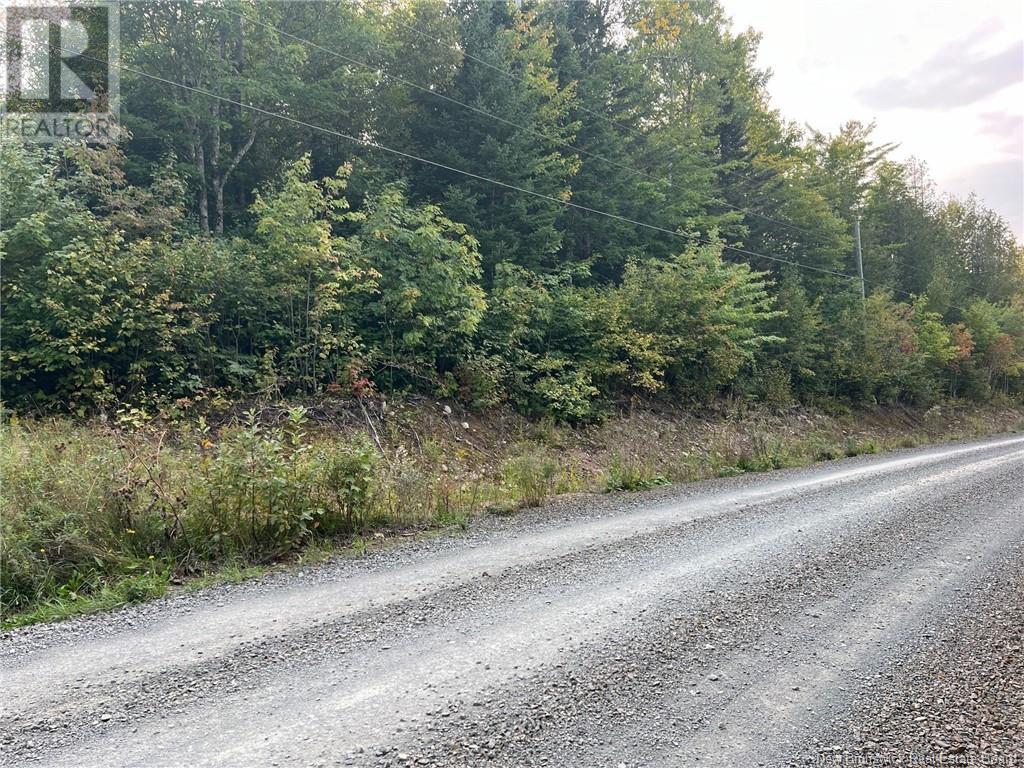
(868, 611)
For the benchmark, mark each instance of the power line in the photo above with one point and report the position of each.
(509, 75)
(499, 70)
(623, 126)
(911, 295)
(903, 266)
(479, 110)
(375, 145)
(425, 89)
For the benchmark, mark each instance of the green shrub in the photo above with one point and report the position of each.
(828, 453)
(348, 477)
(858, 447)
(631, 474)
(531, 476)
(765, 454)
(264, 491)
(83, 507)
(776, 385)
(253, 494)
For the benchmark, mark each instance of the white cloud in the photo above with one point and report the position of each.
(956, 76)
(954, 87)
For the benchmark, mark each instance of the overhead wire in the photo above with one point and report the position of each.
(509, 75)
(380, 71)
(469, 174)
(605, 118)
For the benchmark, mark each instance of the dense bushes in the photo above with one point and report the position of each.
(81, 505)
(906, 353)
(132, 276)
(222, 255)
(228, 250)
(125, 307)
(325, 298)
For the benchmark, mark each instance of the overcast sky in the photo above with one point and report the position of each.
(944, 79)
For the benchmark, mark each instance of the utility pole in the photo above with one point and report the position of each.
(860, 256)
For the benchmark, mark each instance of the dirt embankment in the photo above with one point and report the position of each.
(674, 443)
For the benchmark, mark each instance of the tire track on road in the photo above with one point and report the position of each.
(547, 643)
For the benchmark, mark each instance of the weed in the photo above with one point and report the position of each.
(232, 572)
(84, 508)
(451, 519)
(828, 453)
(857, 448)
(632, 474)
(95, 516)
(546, 431)
(729, 470)
(765, 454)
(531, 476)
(65, 603)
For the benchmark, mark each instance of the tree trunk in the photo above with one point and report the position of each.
(199, 158)
(216, 180)
(220, 178)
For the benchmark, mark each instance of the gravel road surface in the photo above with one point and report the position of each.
(868, 611)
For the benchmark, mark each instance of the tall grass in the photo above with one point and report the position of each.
(531, 476)
(95, 515)
(632, 473)
(84, 507)
(104, 515)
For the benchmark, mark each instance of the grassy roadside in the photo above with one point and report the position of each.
(98, 515)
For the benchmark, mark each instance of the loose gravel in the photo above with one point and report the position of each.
(795, 617)
(957, 694)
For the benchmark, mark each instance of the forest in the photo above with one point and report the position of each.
(559, 206)
(555, 210)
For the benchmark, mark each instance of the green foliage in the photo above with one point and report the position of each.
(775, 385)
(421, 318)
(96, 326)
(856, 448)
(68, 502)
(980, 253)
(347, 477)
(800, 349)
(542, 334)
(82, 507)
(77, 597)
(214, 252)
(762, 457)
(995, 335)
(525, 148)
(301, 279)
(218, 255)
(631, 474)
(226, 49)
(90, 318)
(263, 491)
(690, 324)
(254, 494)
(531, 476)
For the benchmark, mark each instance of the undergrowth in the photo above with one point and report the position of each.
(632, 473)
(96, 515)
